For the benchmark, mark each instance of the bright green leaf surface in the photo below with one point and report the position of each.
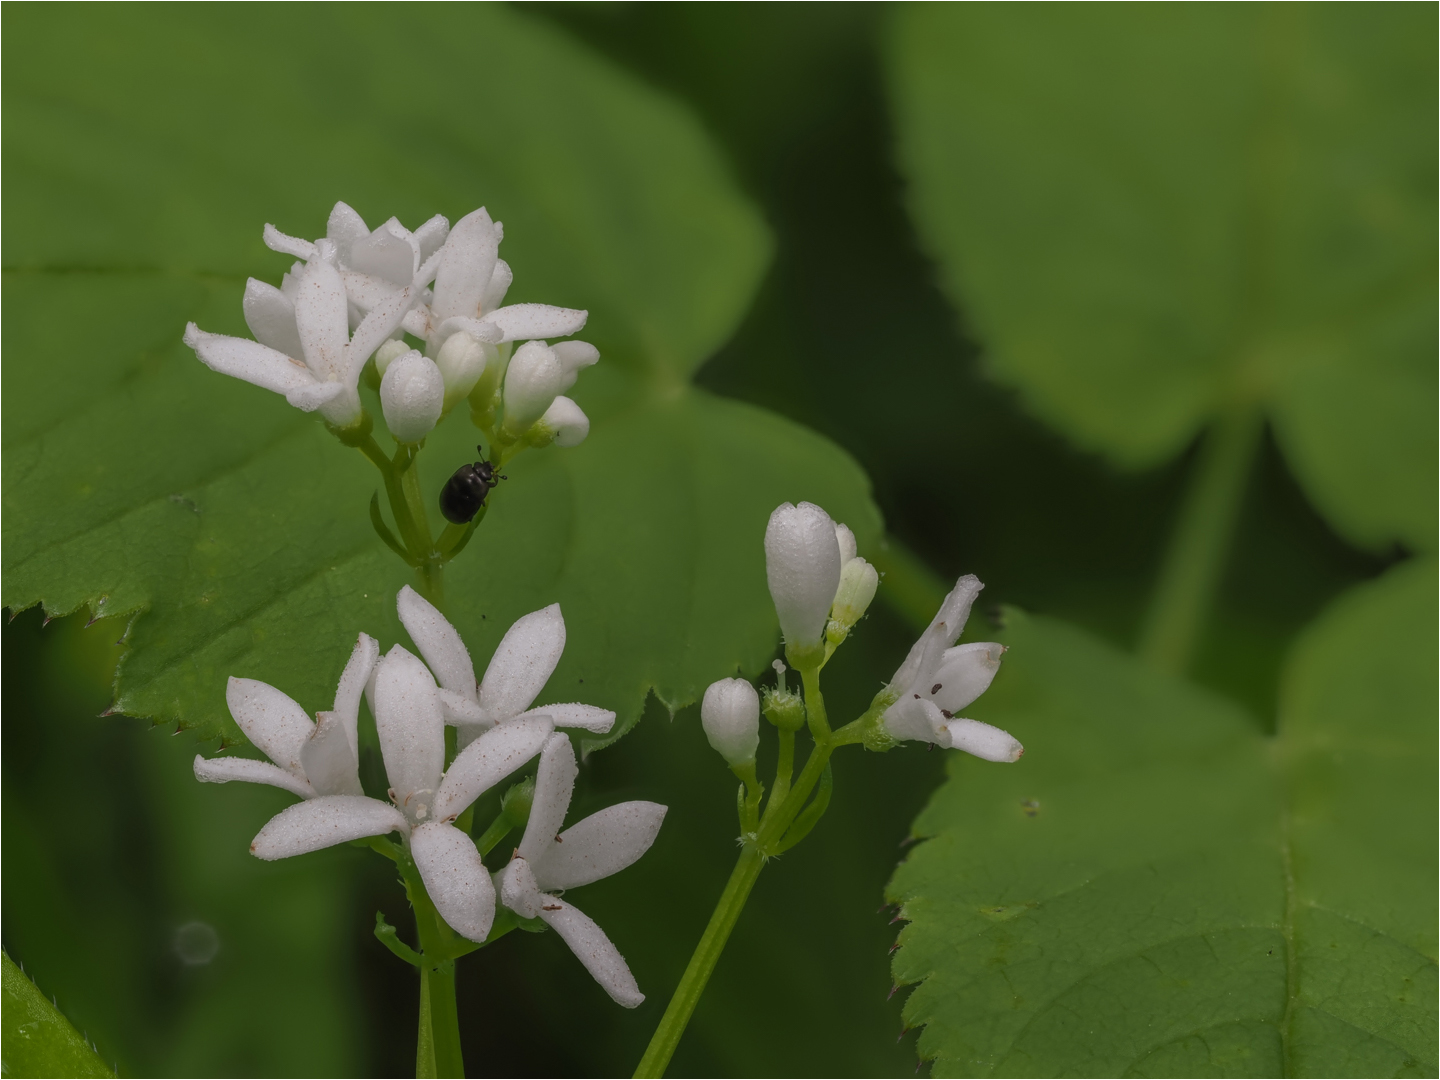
(1152, 213)
(137, 480)
(1156, 889)
(37, 1039)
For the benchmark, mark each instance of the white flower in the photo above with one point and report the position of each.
(858, 582)
(425, 797)
(518, 671)
(303, 347)
(310, 759)
(802, 567)
(939, 678)
(730, 715)
(547, 859)
(412, 394)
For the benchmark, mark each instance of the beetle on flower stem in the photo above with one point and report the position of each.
(465, 492)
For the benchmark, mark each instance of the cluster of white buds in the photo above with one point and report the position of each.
(939, 678)
(500, 733)
(820, 586)
(357, 291)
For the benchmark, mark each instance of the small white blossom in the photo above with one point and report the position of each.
(303, 347)
(319, 763)
(939, 678)
(412, 395)
(730, 714)
(802, 568)
(548, 860)
(519, 670)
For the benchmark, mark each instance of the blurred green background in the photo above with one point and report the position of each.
(112, 853)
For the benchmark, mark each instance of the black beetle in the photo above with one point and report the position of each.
(464, 493)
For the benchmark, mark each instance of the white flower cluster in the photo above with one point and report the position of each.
(357, 291)
(821, 588)
(499, 733)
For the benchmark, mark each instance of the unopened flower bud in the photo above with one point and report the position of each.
(730, 714)
(846, 539)
(412, 395)
(388, 353)
(564, 424)
(802, 568)
(532, 381)
(858, 582)
(461, 361)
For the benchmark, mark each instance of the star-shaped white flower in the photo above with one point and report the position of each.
(303, 347)
(519, 670)
(425, 796)
(548, 860)
(939, 678)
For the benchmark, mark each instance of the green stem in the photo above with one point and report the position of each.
(702, 963)
(498, 830)
(1201, 542)
(437, 1045)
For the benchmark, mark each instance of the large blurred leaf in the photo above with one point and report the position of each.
(1157, 890)
(135, 479)
(35, 1038)
(1155, 213)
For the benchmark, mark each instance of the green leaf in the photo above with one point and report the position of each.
(138, 480)
(1152, 214)
(1156, 889)
(38, 1040)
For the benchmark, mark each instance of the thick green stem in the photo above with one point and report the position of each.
(1200, 544)
(702, 963)
(437, 1045)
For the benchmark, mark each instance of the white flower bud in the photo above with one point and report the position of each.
(730, 714)
(802, 567)
(858, 582)
(532, 381)
(846, 539)
(564, 424)
(388, 353)
(462, 361)
(412, 394)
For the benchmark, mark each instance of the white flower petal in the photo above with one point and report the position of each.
(534, 322)
(374, 330)
(411, 729)
(518, 891)
(364, 290)
(390, 252)
(467, 262)
(802, 568)
(479, 329)
(343, 229)
(271, 720)
(574, 355)
(353, 681)
(566, 422)
(431, 235)
(604, 843)
(955, 610)
(554, 784)
(500, 280)
(276, 240)
(461, 711)
(965, 672)
(261, 365)
(417, 321)
(438, 641)
(322, 319)
(488, 760)
(574, 715)
(325, 822)
(455, 878)
(330, 761)
(523, 663)
(982, 740)
(223, 770)
(271, 318)
(918, 718)
(589, 943)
